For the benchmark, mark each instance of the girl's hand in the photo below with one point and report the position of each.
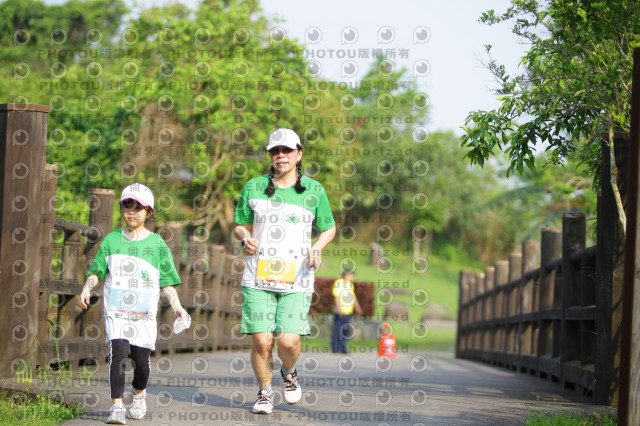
(85, 298)
(180, 312)
(85, 295)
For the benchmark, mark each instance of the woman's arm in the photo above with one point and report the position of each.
(243, 232)
(314, 258)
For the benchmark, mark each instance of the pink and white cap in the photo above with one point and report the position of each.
(139, 192)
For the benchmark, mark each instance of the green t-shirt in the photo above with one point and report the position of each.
(283, 225)
(133, 273)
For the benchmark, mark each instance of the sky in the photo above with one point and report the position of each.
(440, 43)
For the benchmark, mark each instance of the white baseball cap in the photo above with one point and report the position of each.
(283, 137)
(139, 192)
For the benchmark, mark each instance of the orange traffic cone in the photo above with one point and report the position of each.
(388, 346)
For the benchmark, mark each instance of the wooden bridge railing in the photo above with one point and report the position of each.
(514, 314)
(554, 309)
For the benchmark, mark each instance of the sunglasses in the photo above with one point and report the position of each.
(132, 205)
(284, 150)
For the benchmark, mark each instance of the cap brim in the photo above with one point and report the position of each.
(129, 197)
(270, 147)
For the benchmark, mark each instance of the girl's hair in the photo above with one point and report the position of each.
(271, 188)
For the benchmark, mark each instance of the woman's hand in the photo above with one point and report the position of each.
(251, 246)
(314, 260)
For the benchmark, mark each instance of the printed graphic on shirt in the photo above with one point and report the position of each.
(129, 302)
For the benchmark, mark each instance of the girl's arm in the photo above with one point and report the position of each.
(85, 296)
(314, 258)
(172, 295)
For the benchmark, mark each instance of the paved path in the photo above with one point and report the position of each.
(356, 389)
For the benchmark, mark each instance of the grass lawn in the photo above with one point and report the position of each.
(438, 284)
(567, 419)
(33, 410)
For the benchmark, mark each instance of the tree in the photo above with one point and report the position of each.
(575, 90)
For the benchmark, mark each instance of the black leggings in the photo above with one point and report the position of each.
(118, 354)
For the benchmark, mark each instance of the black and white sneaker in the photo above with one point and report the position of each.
(264, 404)
(292, 391)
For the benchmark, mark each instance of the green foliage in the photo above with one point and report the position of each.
(183, 100)
(567, 419)
(575, 88)
(543, 194)
(20, 408)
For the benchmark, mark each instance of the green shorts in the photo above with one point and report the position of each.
(270, 311)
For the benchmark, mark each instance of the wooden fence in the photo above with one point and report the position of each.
(49, 265)
(554, 309)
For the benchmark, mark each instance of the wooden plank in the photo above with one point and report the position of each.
(550, 365)
(66, 287)
(580, 313)
(551, 314)
(582, 375)
(530, 362)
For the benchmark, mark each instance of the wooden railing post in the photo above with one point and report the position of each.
(463, 313)
(550, 250)
(471, 309)
(216, 263)
(197, 260)
(70, 271)
(610, 274)
(512, 310)
(100, 218)
(23, 135)
(48, 203)
(528, 323)
(489, 312)
(478, 314)
(501, 278)
(573, 239)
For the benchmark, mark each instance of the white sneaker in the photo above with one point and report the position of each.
(264, 404)
(292, 390)
(138, 405)
(116, 416)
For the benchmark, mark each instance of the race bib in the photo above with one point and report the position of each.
(129, 302)
(276, 274)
